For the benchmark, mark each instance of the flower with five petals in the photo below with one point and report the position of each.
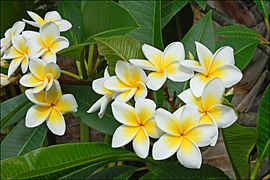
(52, 16)
(220, 65)
(49, 40)
(129, 81)
(210, 106)
(50, 106)
(183, 134)
(138, 125)
(41, 76)
(164, 64)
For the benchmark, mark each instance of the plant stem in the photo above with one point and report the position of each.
(84, 132)
(78, 63)
(90, 60)
(256, 169)
(71, 74)
(107, 139)
(266, 21)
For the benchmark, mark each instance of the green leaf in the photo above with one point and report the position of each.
(173, 170)
(115, 172)
(202, 3)
(86, 97)
(237, 31)
(148, 15)
(201, 31)
(244, 49)
(22, 140)
(239, 142)
(11, 109)
(118, 48)
(263, 124)
(74, 51)
(175, 87)
(264, 7)
(105, 18)
(59, 160)
(169, 9)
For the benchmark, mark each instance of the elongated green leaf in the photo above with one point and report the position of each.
(263, 125)
(74, 51)
(148, 15)
(201, 31)
(118, 48)
(59, 160)
(202, 3)
(22, 140)
(239, 142)
(173, 170)
(105, 18)
(115, 172)
(244, 49)
(86, 97)
(169, 9)
(237, 31)
(11, 107)
(264, 7)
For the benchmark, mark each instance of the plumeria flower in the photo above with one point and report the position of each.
(138, 125)
(50, 107)
(16, 29)
(108, 95)
(52, 16)
(164, 64)
(220, 65)
(41, 76)
(129, 81)
(49, 39)
(183, 134)
(20, 53)
(210, 106)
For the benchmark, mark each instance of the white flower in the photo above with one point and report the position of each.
(108, 95)
(41, 75)
(49, 39)
(52, 16)
(164, 64)
(129, 81)
(20, 53)
(184, 134)
(50, 107)
(210, 106)
(220, 65)
(16, 29)
(4, 80)
(138, 125)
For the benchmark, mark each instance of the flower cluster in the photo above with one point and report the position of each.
(192, 125)
(35, 53)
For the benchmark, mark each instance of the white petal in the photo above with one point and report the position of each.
(15, 63)
(223, 56)
(189, 154)
(33, 48)
(36, 18)
(114, 84)
(178, 73)
(166, 146)
(197, 84)
(174, 52)
(201, 134)
(223, 115)
(190, 117)
(40, 87)
(188, 97)
(52, 16)
(36, 67)
(24, 64)
(167, 122)
(143, 64)
(56, 122)
(144, 109)
(122, 71)
(54, 93)
(18, 42)
(18, 27)
(32, 23)
(156, 80)
(37, 98)
(59, 43)
(192, 65)
(153, 54)
(12, 53)
(49, 32)
(28, 80)
(141, 143)
(106, 74)
(106, 100)
(124, 113)
(95, 106)
(126, 96)
(212, 93)
(36, 115)
(66, 103)
(229, 74)
(204, 55)
(63, 25)
(136, 74)
(152, 129)
(53, 69)
(98, 86)
(49, 56)
(31, 35)
(123, 135)
(141, 91)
